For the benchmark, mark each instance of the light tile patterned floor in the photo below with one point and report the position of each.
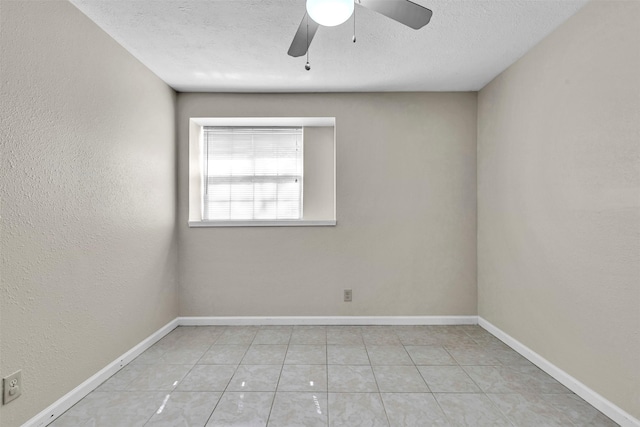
(331, 376)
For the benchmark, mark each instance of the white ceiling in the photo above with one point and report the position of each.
(241, 45)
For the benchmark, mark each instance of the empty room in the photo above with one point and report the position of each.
(319, 213)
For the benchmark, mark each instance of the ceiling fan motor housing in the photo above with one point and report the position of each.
(330, 12)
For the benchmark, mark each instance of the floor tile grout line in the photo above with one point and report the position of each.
(175, 386)
(365, 349)
(377, 386)
(275, 392)
(219, 398)
(500, 411)
(471, 378)
(125, 387)
(484, 393)
(229, 381)
(154, 413)
(416, 368)
(460, 366)
(424, 379)
(326, 355)
(214, 409)
(222, 393)
(434, 394)
(196, 364)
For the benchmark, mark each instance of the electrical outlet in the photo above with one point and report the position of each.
(348, 295)
(12, 387)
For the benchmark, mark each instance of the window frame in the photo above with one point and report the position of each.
(196, 175)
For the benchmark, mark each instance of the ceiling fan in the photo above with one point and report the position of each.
(330, 13)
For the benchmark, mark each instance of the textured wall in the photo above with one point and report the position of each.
(319, 173)
(559, 200)
(406, 209)
(88, 248)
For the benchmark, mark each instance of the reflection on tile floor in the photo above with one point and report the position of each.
(331, 376)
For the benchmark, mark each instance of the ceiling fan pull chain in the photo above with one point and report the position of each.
(307, 66)
(354, 24)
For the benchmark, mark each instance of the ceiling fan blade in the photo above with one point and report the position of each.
(301, 42)
(404, 11)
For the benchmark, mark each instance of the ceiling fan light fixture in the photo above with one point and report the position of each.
(330, 12)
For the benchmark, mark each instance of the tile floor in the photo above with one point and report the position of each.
(331, 376)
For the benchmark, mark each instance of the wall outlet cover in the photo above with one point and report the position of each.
(11, 387)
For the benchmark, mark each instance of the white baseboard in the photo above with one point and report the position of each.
(328, 320)
(599, 402)
(74, 396)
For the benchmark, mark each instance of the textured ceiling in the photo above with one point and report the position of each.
(241, 45)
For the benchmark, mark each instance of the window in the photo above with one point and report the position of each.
(252, 173)
(262, 171)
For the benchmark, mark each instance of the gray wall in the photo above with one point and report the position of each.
(406, 210)
(319, 173)
(559, 200)
(88, 248)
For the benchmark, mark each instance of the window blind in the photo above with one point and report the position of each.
(252, 173)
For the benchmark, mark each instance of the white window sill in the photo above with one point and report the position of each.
(279, 223)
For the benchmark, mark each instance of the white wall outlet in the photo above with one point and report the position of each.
(12, 387)
(348, 295)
